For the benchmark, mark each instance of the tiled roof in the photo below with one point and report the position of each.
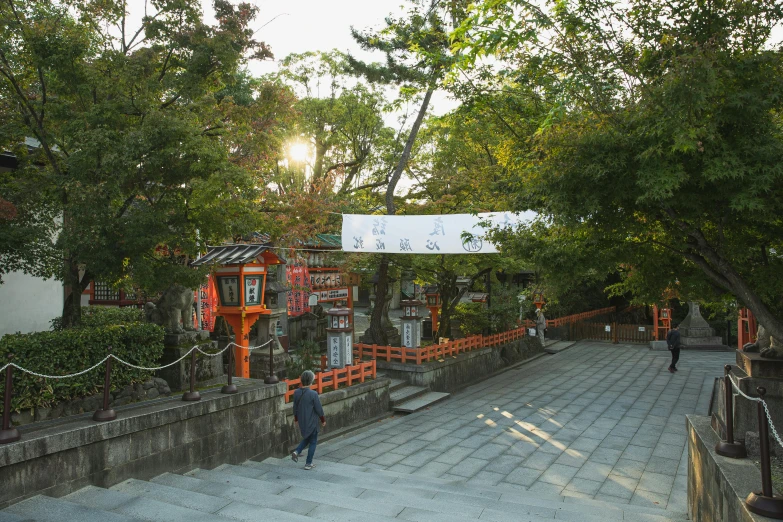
(230, 254)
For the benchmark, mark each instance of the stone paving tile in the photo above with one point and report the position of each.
(656, 482)
(558, 474)
(468, 467)
(454, 455)
(608, 417)
(594, 471)
(663, 466)
(617, 486)
(523, 476)
(584, 486)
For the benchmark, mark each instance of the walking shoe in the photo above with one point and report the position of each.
(295, 456)
(676, 370)
(671, 370)
(309, 466)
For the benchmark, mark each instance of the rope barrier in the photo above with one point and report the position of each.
(763, 403)
(131, 365)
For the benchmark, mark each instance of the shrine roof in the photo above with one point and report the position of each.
(231, 254)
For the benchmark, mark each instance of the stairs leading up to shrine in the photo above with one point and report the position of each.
(408, 399)
(279, 489)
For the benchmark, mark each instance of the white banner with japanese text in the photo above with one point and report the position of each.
(439, 234)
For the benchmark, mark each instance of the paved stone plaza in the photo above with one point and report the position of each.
(598, 421)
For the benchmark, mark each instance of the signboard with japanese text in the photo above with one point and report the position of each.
(333, 295)
(206, 294)
(407, 334)
(229, 290)
(252, 290)
(334, 351)
(298, 277)
(435, 234)
(348, 349)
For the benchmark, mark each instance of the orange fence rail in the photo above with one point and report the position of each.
(436, 351)
(357, 372)
(574, 318)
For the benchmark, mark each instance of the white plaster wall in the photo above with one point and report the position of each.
(28, 303)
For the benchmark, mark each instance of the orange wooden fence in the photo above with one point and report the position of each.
(349, 375)
(435, 351)
(575, 318)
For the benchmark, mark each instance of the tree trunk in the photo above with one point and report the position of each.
(72, 305)
(449, 284)
(377, 335)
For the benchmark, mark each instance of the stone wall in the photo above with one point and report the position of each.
(57, 457)
(347, 407)
(456, 373)
(717, 486)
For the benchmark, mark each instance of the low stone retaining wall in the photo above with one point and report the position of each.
(58, 457)
(347, 407)
(717, 486)
(457, 372)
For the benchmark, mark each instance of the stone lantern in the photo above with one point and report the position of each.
(411, 323)
(339, 336)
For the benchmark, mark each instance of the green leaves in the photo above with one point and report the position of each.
(70, 351)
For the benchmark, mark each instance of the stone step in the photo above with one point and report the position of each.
(426, 504)
(558, 346)
(140, 508)
(396, 384)
(406, 393)
(6, 516)
(47, 509)
(420, 402)
(204, 502)
(461, 492)
(236, 493)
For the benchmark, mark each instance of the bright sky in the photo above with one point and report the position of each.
(297, 26)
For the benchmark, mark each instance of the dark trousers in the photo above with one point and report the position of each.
(311, 440)
(675, 357)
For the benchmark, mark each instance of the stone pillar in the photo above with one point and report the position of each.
(410, 329)
(339, 337)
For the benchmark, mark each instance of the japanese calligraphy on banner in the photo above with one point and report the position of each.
(298, 277)
(439, 234)
(208, 296)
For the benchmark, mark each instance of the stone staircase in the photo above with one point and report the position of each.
(405, 398)
(280, 490)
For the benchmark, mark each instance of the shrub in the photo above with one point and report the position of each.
(73, 350)
(473, 318)
(308, 357)
(93, 316)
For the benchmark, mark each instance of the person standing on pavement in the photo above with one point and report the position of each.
(307, 412)
(673, 342)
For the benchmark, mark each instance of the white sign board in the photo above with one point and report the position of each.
(531, 332)
(334, 351)
(436, 234)
(641, 329)
(407, 334)
(348, 349)
(607, 328)
(337, 293)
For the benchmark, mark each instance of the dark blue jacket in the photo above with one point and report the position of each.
(307, 410)
(673, 339)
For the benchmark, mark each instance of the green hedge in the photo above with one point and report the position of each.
(93, 316)
(70, 351)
